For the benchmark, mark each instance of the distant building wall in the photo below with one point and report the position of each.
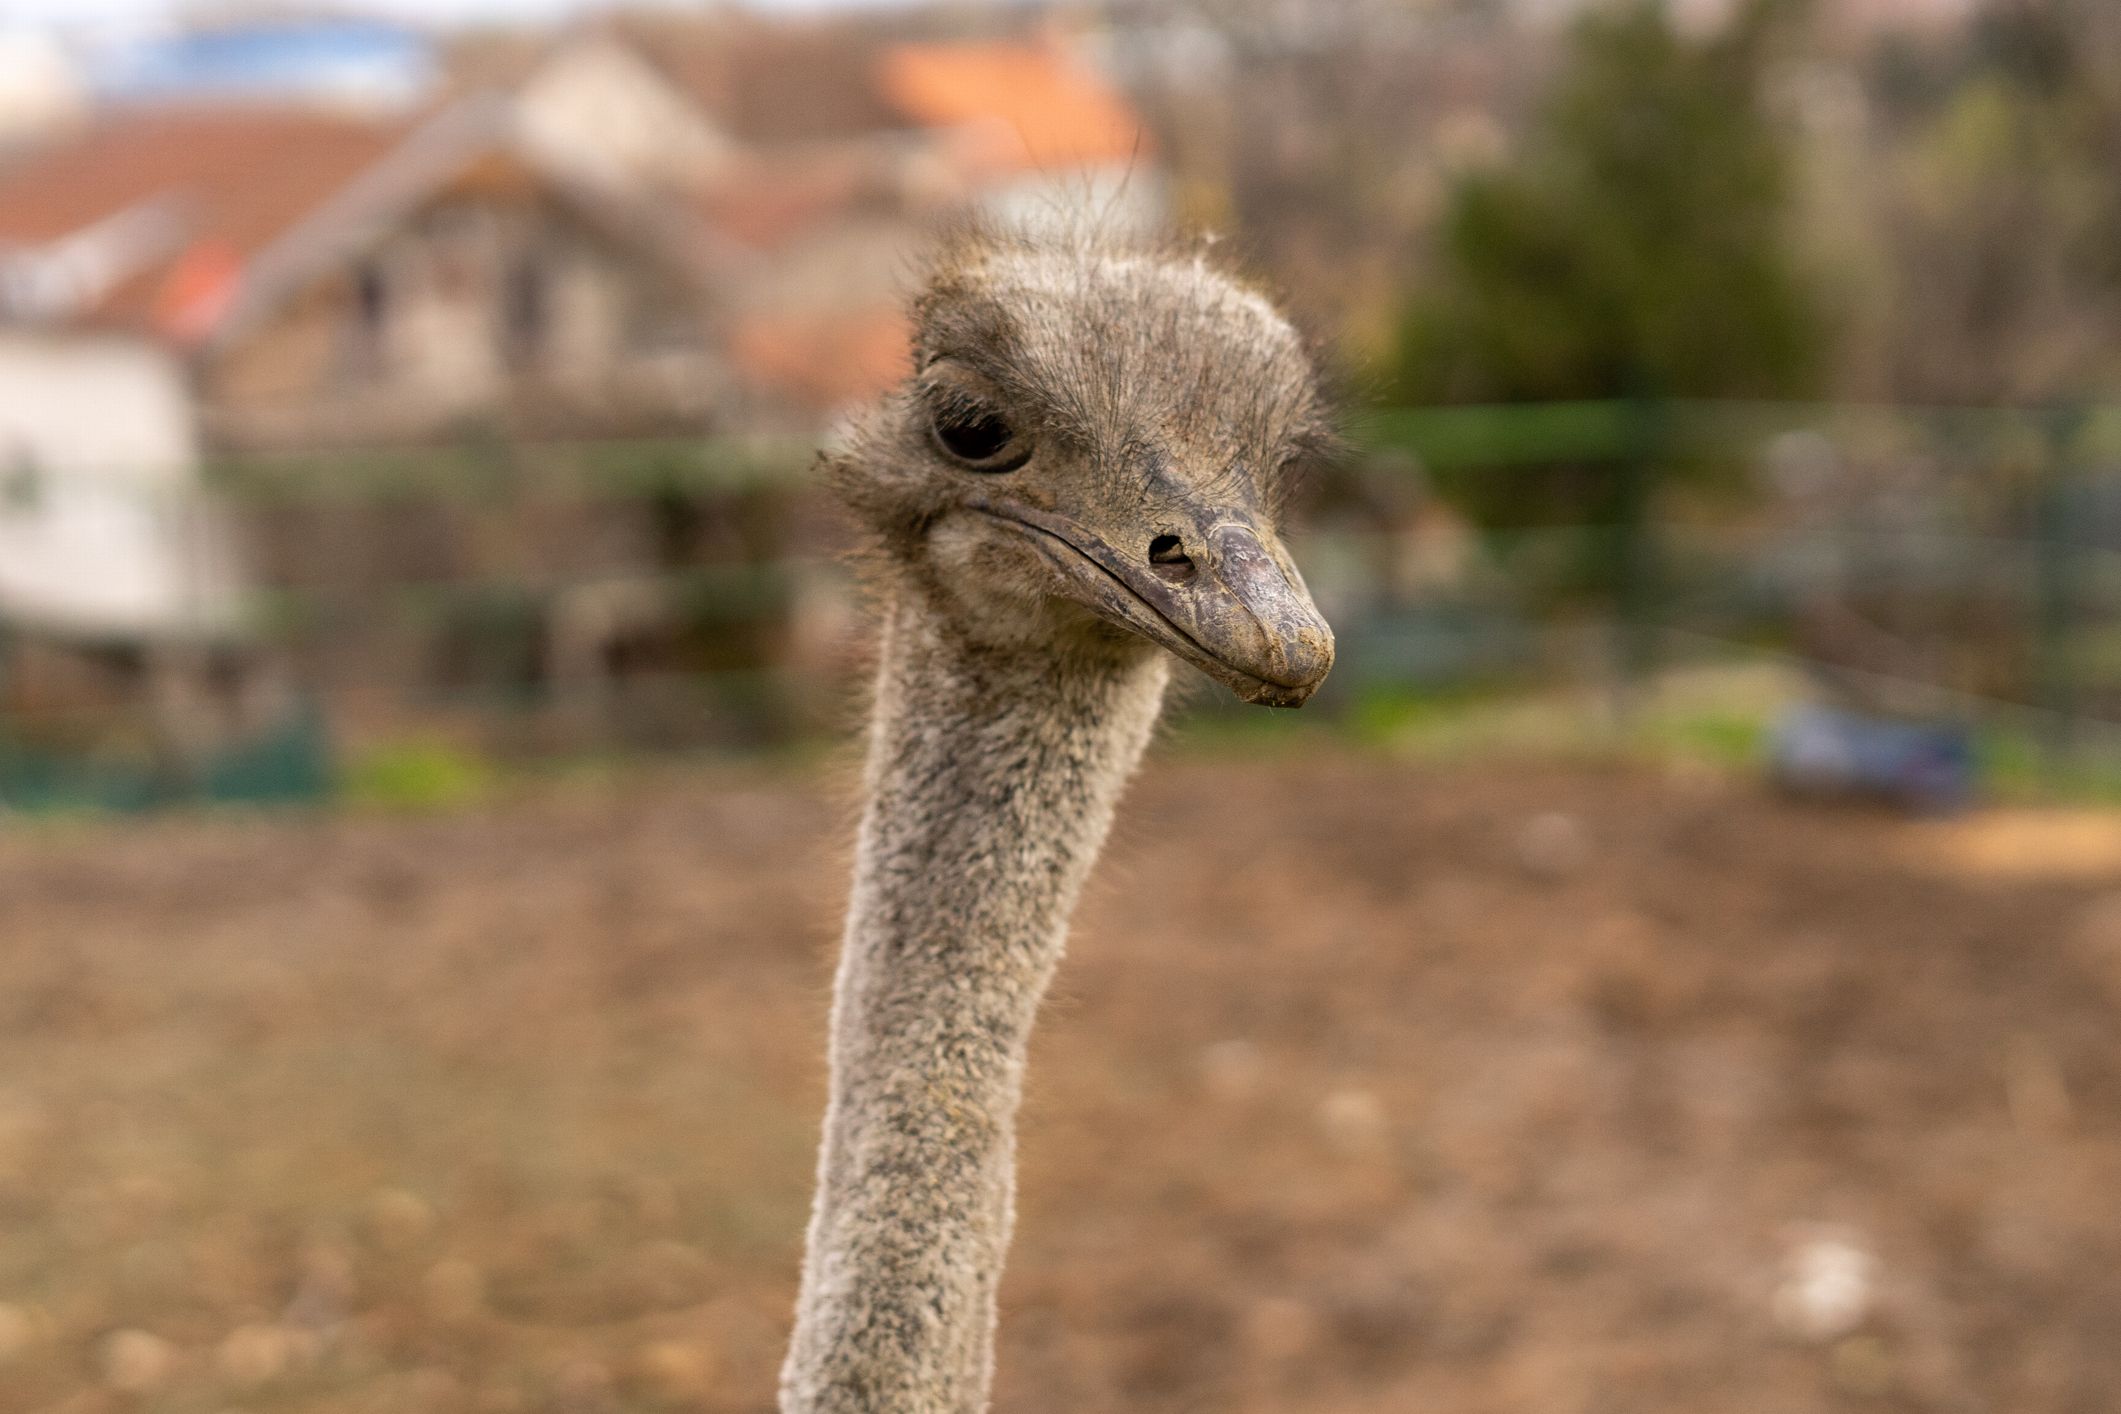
(599, 106)
(473, 307)
(112, 405)
(102, 534)
(41, 92)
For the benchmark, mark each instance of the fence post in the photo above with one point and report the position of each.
(1633, 552)
(2055, 573)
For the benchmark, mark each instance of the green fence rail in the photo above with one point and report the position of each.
(2014, 519)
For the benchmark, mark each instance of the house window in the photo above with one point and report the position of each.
(371, 318)
(526, 309)
(658, 323)
(21, 484)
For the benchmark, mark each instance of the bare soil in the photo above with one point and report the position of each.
(1366, 1087)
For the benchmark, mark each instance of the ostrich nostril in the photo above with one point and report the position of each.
(1167, 556)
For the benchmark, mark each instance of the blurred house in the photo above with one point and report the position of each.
(596, 102)
(236, 281)
(1022, 128)
(597, 250)
(99, 444)
(842, 201)
(99, 539)
(119, 609)
(332, 281)
(829, 152)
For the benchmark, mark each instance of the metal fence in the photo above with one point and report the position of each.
(1957, 566)
(508, 601)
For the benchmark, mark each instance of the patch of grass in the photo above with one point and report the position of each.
(1387, 715)
(1718, 737)
(422, 775)
(1714, 716)
(2016, 765)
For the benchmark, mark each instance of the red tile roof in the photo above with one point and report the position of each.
(774, 84)
(992, 109)
(240, 178)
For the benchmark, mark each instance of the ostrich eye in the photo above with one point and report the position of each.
(975, 439)
(978, 436)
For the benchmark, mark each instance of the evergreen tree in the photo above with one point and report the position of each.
(1635, 245)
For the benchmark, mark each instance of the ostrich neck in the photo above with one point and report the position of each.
(992, 778)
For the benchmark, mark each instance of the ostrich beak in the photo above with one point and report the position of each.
(1220, 592)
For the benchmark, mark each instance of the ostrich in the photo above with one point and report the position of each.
(1083, 471)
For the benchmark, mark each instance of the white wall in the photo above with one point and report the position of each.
(41, 91)
(110, 406)
(599, 106)
(102, 531)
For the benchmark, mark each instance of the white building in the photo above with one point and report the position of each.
(41, 89)
(103, 534)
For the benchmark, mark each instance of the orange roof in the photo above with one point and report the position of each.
(1058, 112)
(826, 361)
(240, 178)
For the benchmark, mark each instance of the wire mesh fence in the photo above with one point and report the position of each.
(516, 601)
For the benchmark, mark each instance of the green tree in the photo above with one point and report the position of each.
(1635, 244)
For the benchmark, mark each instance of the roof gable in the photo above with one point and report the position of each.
(250, 204)
(229, 181)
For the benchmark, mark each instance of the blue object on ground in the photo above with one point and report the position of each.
(1831, 751)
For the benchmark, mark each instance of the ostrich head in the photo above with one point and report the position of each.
(1090, 457)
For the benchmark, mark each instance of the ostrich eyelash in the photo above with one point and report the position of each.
(974, 432)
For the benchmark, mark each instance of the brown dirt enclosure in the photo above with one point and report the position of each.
(1367, 1086)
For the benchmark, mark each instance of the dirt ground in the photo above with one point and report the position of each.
(1366, 1087)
